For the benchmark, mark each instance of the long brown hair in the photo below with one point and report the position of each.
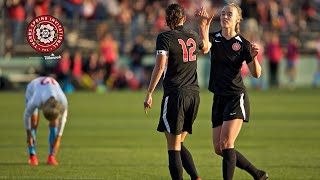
(174, 14)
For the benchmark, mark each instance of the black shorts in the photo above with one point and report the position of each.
(227, 108)
(178, 112)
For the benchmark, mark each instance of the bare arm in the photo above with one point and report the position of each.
(254, 66)
(204, 26)
(158, 69)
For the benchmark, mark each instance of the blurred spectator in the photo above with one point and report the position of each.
(258, 83)
(124, 19)
(101, 30)
(292, 57)
(77, 65)
(16, 14)
(63, 67)
(274, 54)
(137, 53)
(63, 72)
(77, 69)
(289, 18)
(160, 23)
(138, 18)
(109, 52)
(111, 7)
(88, 9)
(71, 8)
(125, 79)
(100, 11)
(275, 19)
(308, 11)
(41, 7)
(57, 12)
(316, 78)
(250, 15)
(263, 11)
(94, 72)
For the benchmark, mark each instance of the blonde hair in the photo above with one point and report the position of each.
(52, 109)
(237, 28)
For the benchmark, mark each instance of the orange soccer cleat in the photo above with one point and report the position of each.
(33, 160)
(52, 160)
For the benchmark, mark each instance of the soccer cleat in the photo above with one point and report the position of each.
(52, 160)
(198, 179)
(33, 160)
(263, 175)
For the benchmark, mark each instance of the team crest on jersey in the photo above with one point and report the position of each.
(45, 33)
(236, 46)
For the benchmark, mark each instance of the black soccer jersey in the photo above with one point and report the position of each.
(182, 48)
(227, 57)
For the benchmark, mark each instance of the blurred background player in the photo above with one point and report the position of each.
(292, 57)
(177, 52)
(45, 93)
(231, 102)
(316, 78)
(274, 54)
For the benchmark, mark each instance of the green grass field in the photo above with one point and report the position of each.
(108, 136)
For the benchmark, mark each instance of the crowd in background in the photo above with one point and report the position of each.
(99, 32)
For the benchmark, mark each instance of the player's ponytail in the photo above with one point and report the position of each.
(174, 14)
(237, 28)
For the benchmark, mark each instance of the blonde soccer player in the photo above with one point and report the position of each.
(45, 93)
(231, 105)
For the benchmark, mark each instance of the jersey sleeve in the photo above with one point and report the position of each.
(211, 37)
(246, 50)
(63, 119)
(62, 122)
(163, 42)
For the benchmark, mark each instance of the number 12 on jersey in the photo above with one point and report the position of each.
(188, 55)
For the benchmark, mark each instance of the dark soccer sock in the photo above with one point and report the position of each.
(188, 163)
(228, 163)
(175, 165)
(246, 165)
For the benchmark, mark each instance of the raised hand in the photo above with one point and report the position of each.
(204, 17)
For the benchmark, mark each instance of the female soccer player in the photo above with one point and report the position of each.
(231, 103)
(45, 93)
(176, 59)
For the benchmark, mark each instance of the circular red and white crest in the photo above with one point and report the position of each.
(45, 33)
(236, 46)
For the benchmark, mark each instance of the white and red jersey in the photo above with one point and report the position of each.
(38, 92)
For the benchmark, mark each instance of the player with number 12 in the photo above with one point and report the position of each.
(176, 60)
